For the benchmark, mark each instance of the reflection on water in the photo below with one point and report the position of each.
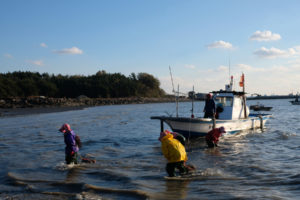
(129, 163)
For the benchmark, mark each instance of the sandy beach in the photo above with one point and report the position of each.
(35, 105)
(9, 112)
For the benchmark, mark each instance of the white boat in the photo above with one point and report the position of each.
(235, 116)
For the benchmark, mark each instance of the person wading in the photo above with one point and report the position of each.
(72, 144)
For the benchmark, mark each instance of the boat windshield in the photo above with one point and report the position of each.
(225, 101)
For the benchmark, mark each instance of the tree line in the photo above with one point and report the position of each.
(99, 85)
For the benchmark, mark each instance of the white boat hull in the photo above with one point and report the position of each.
(199, 127)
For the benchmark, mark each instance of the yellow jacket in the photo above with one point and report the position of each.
(172, 149)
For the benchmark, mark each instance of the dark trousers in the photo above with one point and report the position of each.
(72, 158)
(211, 144)
(208, 115)
(170, 168)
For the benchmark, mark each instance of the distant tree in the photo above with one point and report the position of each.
(28, 87)
(47, 88)
(148, 80)
(102, 84)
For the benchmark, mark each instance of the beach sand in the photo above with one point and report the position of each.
(10, 112)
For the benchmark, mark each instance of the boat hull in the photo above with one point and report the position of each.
(262, 109)
(199, 127)
(295, 102)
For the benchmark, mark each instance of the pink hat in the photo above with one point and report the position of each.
(64, 128)
(222, 129)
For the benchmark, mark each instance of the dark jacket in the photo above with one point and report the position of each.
(210, 107)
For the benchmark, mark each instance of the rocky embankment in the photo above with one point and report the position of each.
(32, 102)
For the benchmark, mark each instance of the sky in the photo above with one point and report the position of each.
(203, 42)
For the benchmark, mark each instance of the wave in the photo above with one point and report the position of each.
(132, 193)
(40, 196)
(78, 190)
(285, 135)
(214, 172)
(89, 142)
(109, 176)
(62, 166)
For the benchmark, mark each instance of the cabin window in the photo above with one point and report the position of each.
(225, 101)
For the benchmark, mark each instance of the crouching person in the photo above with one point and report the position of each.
(174, 152)
(212, 137)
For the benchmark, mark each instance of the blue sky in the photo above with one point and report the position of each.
(197, 38)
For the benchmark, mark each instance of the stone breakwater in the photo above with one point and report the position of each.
(30, 102)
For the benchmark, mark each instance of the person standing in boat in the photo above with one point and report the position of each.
(72, 142)
(212, 137)
(174, 152)
(210, 107)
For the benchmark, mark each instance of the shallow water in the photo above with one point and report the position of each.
(129, 163)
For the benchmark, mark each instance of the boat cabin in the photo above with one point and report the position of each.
(230, 105)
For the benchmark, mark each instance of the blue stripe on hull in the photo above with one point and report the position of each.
(188, 134)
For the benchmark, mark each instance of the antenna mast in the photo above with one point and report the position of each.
(176, 94)
(229, 69)
(172, 80)
(192, 116)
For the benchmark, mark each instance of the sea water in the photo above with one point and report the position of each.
(257, 164)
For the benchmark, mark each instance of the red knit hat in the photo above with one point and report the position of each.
(64, 128)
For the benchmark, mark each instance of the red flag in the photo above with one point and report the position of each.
(242, 80)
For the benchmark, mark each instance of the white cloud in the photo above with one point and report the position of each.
(222, 68)
(190, 66)
(249, 68)
(43, 45)
(73, 50)
(275, 53)
(265, 36)
(295, 64)
(281, 68)
(220, 44)
(272, 79)
(297, 48)
(7, 55)
(276, 79)
(184, 84)
(36, 62)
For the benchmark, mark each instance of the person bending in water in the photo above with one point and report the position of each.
(72, 144)
(212, 137)
(174, 152)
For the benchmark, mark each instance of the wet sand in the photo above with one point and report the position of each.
(28, 106)
(10, 112)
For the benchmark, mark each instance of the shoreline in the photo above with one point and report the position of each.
(10, 107)
(12, 112)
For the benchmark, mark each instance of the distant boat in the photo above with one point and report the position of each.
(260, 107)
(296, 102)
(235, 116)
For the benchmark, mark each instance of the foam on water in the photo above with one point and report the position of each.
(62, 166)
